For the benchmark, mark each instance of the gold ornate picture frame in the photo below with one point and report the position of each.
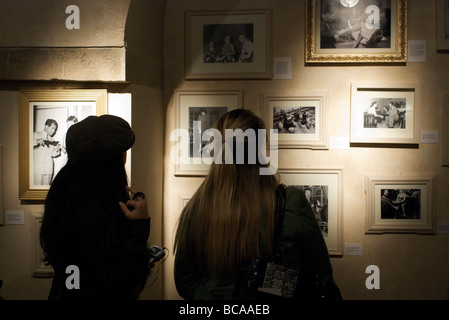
(356, 31)
(44, 118)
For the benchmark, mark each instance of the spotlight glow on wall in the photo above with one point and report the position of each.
(349, 3)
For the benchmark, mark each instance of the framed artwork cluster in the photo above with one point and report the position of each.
(300, 122)
(237, 45)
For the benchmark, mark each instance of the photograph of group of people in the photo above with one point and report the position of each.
(355, 24)
(294, 119)
(228, 43)
(401, 204)
(318, 198)
(50, 125)
(385, 113)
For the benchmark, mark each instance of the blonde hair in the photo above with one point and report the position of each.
(232, 211)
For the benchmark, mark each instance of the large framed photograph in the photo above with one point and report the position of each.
(197, 111)
(445, 131)
(400, 204)
(442, 21)
(228, 44)
(44, 118)
(384, 114)
(356, 31)
(301, 120)
(323, 189)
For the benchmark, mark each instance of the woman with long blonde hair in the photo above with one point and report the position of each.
(231, 219)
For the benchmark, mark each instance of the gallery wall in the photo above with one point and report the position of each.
(137, 47)
(412, 266)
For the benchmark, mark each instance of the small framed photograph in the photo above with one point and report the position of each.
(356, 31)
(301, 120)
(445, 131)
(228, 44)
(442, 21)
(400, 204)
(384, 114)
(44, 118)
(323, 189)
(198, 111)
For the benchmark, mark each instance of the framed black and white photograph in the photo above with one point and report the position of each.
(45, 117)
(384, 113)
(301, 120)
(198, 111)
(205, 117)
(323, 190)
(445, 131)
(400, 204)
(442, 22)
(228, 44)
(356, 31)
(295, 119)
(318, 197)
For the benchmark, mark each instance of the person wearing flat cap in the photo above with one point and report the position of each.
(91, 222)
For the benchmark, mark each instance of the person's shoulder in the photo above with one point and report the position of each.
(293, 191)
(295, 196)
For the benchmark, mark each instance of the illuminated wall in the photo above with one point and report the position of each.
(137, 47)
(411, 266)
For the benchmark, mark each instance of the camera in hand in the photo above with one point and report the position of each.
(51, 143)
(155, 253)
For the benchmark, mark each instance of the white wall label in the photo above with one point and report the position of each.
(15, 217)
(283, 68)
(353, 249)
(429, 136)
